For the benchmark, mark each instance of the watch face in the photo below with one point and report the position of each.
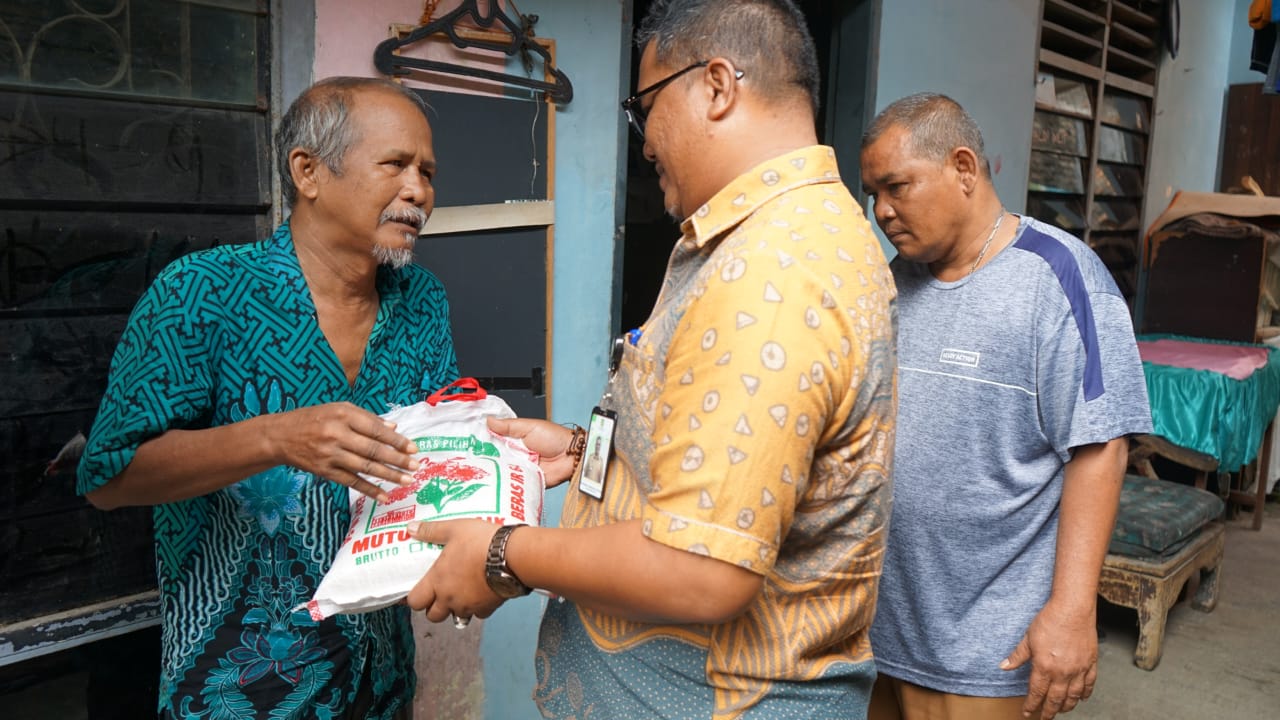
(504, 585)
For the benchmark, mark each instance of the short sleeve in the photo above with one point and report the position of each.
(1116, 404)
(755, 373)
(159, 378)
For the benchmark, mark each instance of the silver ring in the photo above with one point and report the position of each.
(461, 622)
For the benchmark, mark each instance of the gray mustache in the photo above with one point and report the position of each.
(409, 216)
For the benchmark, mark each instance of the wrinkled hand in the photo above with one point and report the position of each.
(1063, 650)
(455, 584)
(544, 437)
(338, 441)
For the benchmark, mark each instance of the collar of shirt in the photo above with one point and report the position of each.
(737, 200)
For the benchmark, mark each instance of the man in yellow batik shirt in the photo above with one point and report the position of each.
(729, 568)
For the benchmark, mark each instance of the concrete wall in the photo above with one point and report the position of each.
(488, 670)
(1191, 93)
(592, 48)
(982, 53)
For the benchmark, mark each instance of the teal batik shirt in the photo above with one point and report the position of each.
(222, 336)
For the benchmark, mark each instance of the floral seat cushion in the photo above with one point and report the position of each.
(1158, 517)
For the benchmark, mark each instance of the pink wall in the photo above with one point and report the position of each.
(347, 32)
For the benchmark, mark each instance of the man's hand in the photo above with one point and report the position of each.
(455, 584)
(338, 441)
(1063, 650)
(549, 440)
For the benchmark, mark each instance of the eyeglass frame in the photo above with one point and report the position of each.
(634, 117)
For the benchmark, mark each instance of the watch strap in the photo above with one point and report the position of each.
(496, 561)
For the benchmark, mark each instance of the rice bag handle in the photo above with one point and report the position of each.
(469, 386)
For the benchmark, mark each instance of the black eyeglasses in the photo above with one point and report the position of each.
(631, 107)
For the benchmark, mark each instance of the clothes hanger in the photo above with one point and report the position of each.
(389, 63)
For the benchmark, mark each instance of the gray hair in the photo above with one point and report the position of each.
(319, 121)
(766, 39)
(937, 126)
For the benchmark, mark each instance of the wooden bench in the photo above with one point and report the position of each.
(1165, 533)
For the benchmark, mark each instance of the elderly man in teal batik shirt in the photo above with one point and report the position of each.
(243, 402)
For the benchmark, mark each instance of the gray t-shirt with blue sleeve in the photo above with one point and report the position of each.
(1001, 374)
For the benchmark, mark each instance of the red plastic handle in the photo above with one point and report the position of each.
(469, 387)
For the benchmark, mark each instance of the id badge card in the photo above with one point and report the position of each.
(595, 457)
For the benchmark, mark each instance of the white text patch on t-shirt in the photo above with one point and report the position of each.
(959, 357)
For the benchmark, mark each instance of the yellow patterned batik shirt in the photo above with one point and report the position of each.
(755, 426)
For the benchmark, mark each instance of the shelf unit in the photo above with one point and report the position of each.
(1095, 91)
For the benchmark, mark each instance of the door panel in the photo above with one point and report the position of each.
(494, 150)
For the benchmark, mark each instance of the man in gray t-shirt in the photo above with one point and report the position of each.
(1019, 382)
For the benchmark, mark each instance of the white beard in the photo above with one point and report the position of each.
(394, 257)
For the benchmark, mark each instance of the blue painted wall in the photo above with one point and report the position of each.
(1191, 94)
(592, 47)
(982, 53)
(1238, 71)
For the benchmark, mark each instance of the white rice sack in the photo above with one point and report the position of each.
(466, 471)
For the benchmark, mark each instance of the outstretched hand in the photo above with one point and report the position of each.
(1063, 650)
(455, 584)
(339, 442)
(549, 440)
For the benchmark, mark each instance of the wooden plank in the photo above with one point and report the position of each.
(491, 216)
(1129, 35)
(1130, 85)
(1129, 58)
(1079, 14)
(1060, 111)
(1062, 62)
(1251, 138)
(1132, 17)
(1071, 35)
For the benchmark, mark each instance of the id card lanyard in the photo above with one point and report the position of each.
(599, 449)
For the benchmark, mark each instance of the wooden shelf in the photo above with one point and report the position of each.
(1127, 59)
(1067, 13)
(1067, 36)
(1130, 36)
(1136, 87)
(1071, 65)
(1133, 17)
(1116, 46)
(1042, 107)
(1126, 128)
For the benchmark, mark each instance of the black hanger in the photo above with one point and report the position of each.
(388, 63)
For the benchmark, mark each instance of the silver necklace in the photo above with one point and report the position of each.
(983, 252)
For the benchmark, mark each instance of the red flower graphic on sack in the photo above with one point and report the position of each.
(439, 483)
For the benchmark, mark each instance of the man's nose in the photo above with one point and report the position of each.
(883, 211)
(417, 188)
(648, 152)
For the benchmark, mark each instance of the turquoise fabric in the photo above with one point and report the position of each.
(1158, 517)
(1209, 412)
(221, 336)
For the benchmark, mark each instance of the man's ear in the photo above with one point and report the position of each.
(967, 166)
(721, 79)
(303, 169)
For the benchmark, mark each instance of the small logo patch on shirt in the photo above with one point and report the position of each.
(959, 357)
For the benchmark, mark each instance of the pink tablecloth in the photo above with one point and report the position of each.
(1234, 361)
